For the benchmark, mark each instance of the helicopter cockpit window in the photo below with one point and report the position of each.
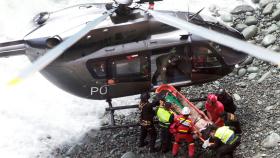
(98, 69)
(203, 57)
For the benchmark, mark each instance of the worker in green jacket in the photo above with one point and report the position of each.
(224, 141)
(165, 117)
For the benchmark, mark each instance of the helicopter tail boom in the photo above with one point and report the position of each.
(13, 48)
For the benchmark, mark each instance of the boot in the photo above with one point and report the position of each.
(175, 148)
(153, 149)
(164, 148)
(142, 144)
(191, 150)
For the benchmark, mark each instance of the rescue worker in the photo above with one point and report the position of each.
(182, 129)
(151, 5)
(165, 117)
(224, 141)
(214, 110)
(226, 100)
(171, 59)
(147, 122)
(231, 120)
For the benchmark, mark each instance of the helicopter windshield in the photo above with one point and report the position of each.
(98, 69)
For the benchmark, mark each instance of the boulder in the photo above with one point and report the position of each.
(268, 40)
(236, 97)
(278, 5)
(242, 9)
(271, 140)
(271, 29)
(255, 1)
(251, 20)
(129, 155)
(268, 9)
(241, 72)
(240, 27)
(250, 32)
(274, 48)
(226, 17)
(264, 76)
(252, 76)
(249, 60)
(276, 15)
(252, 69)
(263, 3)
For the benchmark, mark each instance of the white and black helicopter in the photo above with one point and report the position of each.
(109, 50)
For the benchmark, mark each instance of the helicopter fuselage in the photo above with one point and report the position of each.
(120, 57)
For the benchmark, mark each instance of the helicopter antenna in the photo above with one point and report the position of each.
(193, 16)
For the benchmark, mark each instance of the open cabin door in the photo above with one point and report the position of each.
(129, 74)
(171, 65)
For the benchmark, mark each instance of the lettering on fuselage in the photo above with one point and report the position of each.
(100, 90)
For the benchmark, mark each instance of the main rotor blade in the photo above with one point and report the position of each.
(54, 53)
(251, 49)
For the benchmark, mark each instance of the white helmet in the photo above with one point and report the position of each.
(125, 2)
(185, 111)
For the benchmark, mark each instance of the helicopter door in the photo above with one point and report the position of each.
(171, 65)
(207, 64)
(130, 74)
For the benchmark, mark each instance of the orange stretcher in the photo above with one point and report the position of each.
(179, 101)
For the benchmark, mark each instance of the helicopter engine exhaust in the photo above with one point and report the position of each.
(53, 41)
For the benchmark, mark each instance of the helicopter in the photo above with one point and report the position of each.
(103, 51)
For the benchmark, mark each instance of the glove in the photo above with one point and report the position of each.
(206, 144)
(209, 123)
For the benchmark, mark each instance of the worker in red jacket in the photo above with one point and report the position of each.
(182, 129)
(214, 110)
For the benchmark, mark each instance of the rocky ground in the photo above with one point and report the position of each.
(255, 88)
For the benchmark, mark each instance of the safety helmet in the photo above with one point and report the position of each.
(212, 98)
(221, 92)
(173, 60)
(145, 96)
(167, 105)
(185, 111)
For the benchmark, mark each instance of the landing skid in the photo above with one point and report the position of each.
(112, 110)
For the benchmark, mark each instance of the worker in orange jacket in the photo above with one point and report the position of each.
(182, 129)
